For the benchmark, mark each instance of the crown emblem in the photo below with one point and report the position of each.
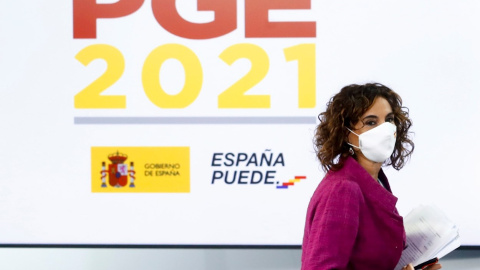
(117, 158)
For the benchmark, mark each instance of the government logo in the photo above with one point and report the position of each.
(140, 169)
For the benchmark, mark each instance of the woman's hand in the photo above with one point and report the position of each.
(431, 267)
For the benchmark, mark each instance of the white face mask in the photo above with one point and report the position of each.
(378, 143)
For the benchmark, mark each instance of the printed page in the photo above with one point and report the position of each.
(430, 234)
(450, 247)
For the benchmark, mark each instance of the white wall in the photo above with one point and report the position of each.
(178, 259)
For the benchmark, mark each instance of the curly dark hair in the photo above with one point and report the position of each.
(344, 110)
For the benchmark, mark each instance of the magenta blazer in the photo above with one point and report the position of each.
(352, 223)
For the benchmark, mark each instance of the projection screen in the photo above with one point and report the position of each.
(163, 122)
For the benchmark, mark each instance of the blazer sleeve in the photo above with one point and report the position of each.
(334, 223)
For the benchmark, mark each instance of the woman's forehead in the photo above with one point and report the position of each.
(380, 107)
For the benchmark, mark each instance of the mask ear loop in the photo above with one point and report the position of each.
(350, 143)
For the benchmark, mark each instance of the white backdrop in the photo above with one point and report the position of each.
(426, 51)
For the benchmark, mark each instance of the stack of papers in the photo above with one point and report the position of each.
(430, 234)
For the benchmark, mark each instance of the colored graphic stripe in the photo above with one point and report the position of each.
(291, 182)
(287, 120)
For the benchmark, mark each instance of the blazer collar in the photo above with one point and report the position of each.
(372, 190)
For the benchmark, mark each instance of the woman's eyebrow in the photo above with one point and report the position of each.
(376, 117)
(370, 116)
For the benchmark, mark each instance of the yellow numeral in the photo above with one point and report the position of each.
(90, 97)
(305, 54)
(234, 96)
(151, 76)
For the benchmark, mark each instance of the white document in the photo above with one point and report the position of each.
(430, 234)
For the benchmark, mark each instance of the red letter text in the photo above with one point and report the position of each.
(225, 21)
(86, 13)
(257, 24)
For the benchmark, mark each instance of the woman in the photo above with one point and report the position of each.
(352, 221)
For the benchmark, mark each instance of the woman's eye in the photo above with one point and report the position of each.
(390, 120)
(371, 123)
